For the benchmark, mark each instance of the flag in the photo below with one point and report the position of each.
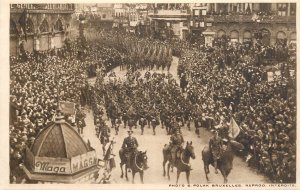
(23, 21)
(234, 129)
(67, 107)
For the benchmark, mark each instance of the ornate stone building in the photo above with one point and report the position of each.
(241, 22)
(46, 26)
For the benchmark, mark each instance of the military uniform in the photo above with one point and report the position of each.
(129, 145)
(215, 145)
(142, 123)
(104, 134)
(176, 141)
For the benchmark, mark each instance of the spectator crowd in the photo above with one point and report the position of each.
(216, 84)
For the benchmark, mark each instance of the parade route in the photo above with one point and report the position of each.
(240, 173)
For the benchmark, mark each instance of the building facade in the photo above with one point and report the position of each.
(272, 23)
(170, 20)
(46, 26)
(105, 11)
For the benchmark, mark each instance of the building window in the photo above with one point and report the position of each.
(13, 27)
(58, 25)
(202, 24)
(265, 7)
(234, 36)
(247, 36)
(29, 26)
(223, 8)
(44, 27)
(221, 33)
(282, 9)
(209, 24)
(293, 9)
(104, 16)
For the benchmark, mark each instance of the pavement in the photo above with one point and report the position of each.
(240, 173)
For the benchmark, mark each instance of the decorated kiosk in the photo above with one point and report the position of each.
(60, 155)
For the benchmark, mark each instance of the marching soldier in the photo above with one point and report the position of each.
(117, 126)
(142, 123)
(129, 146)
(104, 136)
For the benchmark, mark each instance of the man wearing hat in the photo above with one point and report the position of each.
(215, 144)
(129, 146)
(176, 142)
(104, 136)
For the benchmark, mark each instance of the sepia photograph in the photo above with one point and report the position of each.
(174, 94)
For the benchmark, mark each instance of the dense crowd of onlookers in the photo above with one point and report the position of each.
(40, 80)
(233, 84)
(216, 84)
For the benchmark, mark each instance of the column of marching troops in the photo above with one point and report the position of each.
(213, 91)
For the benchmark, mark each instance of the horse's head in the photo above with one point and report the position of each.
(142, 158)
(190, 149)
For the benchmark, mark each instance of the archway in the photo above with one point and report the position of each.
(44, 38)
(44, 27)
(13, 28)
(234, 36)
(58, 26)
(13, 43)
(58, 38)
(247, 36)
(221, 33)
(281, 38)
(29, 26)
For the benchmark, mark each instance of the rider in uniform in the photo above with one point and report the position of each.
(129, 146)
(176, 142)
(215, 145)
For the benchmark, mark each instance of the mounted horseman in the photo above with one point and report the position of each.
(181, 161)
(132, 158)
(220, 155)
(129, 148)
(215, 145)
(176, 143)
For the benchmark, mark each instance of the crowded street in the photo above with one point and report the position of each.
(241, 173)
(120, 95)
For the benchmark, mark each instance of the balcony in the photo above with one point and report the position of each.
(42, 8)
(250, 18)
(169, 13)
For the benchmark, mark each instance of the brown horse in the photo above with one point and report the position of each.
(182, 163)
(225, 161)
(138, 164)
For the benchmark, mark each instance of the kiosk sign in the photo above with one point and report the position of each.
(52, 165)
(83, 161)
